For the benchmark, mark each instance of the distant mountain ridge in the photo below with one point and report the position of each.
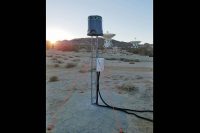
(87, 41)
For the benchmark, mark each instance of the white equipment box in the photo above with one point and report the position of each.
(100, 64)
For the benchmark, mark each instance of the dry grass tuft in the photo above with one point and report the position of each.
(56, 65)
(58, 61)
(76, 60)
(53, 58)
(83, 71)
(139, 77)
(53, 79)
(49, 55)
(137, 60)
(131, 62)
(71, 65)
(128, 86)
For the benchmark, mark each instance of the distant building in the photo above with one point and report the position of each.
(136, 44)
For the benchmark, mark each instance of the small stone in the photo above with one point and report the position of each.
(50, 127)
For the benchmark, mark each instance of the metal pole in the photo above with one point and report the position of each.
(94, 48)
(97, 55)
(91, 67)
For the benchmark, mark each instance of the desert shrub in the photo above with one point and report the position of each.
(88, 50)
(56, 65)
(83, 70)
(53, 79)
(139, 77)
(58, 61)
(71, 65)
(126, 60)
(137, 60)
(49, 55)
(151, 54)
(75, 60)
(58, 56)
(126, 78)
(81, 91)
(127, 87)
(111, 58)
(131, 62)
(53, 58)
(145, 50)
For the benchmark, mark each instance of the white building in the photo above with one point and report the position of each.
(135, 44)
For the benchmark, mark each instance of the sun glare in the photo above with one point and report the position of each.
(55, 34)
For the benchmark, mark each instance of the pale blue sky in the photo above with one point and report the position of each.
(126, 18)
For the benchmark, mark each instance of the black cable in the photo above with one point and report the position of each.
(141, 111)
(98, 74)
(120, 109)
(127, 112)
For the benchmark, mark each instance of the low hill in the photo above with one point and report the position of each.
(85, 43)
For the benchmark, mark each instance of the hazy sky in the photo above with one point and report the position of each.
(68, 19)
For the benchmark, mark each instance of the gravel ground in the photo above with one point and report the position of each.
(68, 104)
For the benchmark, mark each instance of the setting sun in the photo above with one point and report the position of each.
(56, 34)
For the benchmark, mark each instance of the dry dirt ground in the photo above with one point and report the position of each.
(122, 84)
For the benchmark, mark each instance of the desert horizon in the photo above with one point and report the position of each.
(127, 81)
(99, 66)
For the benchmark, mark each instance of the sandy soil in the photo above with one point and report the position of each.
(68, 104)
